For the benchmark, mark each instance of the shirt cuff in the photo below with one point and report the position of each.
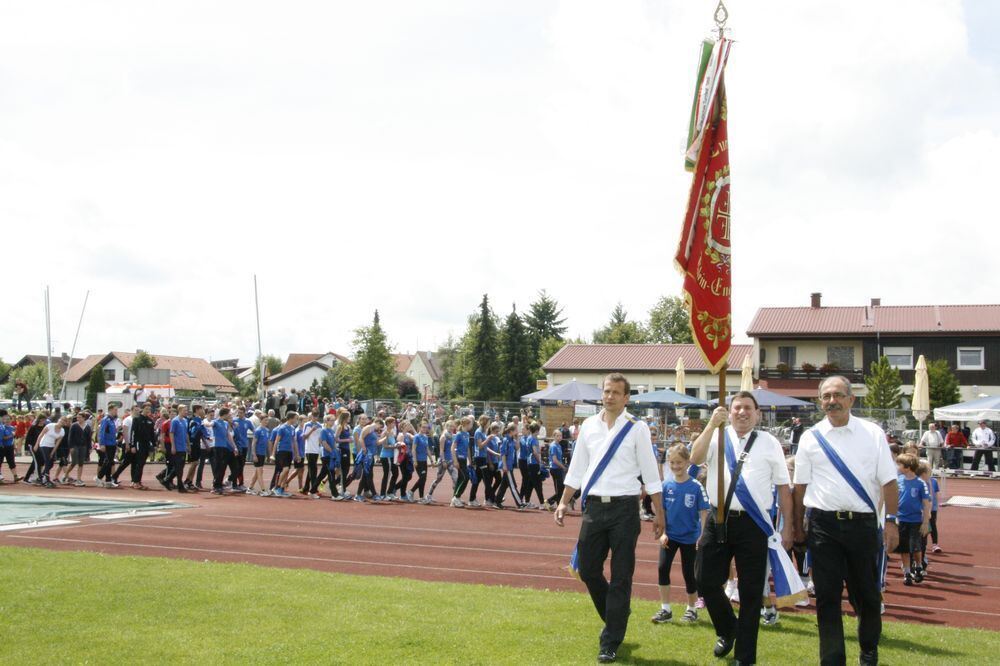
(653, 487)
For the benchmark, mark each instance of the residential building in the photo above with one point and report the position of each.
(795, 347)
(60, 364)
(425, 372)
(300, 370)
(649, 367)
(186, 373)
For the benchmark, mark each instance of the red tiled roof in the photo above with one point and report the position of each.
(403, 362)
(298, 360)
(883, 319)
(636, 357)
(204, 375)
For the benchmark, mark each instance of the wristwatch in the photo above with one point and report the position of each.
(890, 518)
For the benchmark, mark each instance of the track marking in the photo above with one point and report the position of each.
(344, 540)
(565, 578)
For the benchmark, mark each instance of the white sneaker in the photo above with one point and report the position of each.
(100, 483)
(313, 496)
(769, 616)
(811, 589)
(802, 603)
(457, 503)
(731, 589)
(473, 503)
(881, 609)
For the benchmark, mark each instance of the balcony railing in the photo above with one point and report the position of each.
(855, 375)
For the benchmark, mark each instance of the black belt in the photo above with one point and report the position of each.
(843, 515)
(612, 498)
(733, 513)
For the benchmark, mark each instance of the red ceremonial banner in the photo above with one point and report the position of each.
(704, 253)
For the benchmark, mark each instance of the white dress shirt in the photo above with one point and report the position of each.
(634, 458)
(312, 434)
(764, 467)
(983, 437)
(932, 439)
(863, 447)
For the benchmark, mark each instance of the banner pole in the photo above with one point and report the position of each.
(721, 453)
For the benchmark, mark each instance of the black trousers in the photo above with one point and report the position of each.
(345, 467)
(220, 460)
(463, 477)
(507, 482)
(524, 490)
(418, 487)
(312, 473)
(104, 472)
(844, 551)
(979, 456)
(610, 526)
(176, 469)
(689, 554)
(747, 544)
(557, 475)
(128, 457)
(139, 461)
(535, 483)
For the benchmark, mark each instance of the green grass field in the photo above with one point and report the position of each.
(158, 610)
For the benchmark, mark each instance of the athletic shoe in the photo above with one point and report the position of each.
(218, 491)
(337, 498)
(769, 616)
(935, 548)
(277, 492)
(663, 616)
(690, 616)
(264, 493)
(390, 498)
(731, 588)
(251, 491)
(347, 495)
(918, 575)
(802, 603)
(49, 484)
(474, 503)
(79, 484)
(645, 516)
(113, 484)
(881, 609)
(313, 496)
(100, 483)
(811, 588)
(908, 579)
(606, 657)
(457, 503)
(56, 481)
(358, 498)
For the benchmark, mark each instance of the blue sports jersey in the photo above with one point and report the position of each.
(387, 449)
(260, 437)
(344, 438)
(682, 503)
(333, 458)
(420, 446)
(327, 436)
(220, 434)
(493, 444)
(531, 443)
(446, 446)
(462, 444)
(6, 435)
(912, 493)
(179, 434)
(935, 489)
(555, 454)
(508, 453)
(371, 441)
(241, 432)
(284, 435)
(522, 448)
(108, 432)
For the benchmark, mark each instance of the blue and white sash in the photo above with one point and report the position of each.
(574, 559)
(845, 471)
(788, 587)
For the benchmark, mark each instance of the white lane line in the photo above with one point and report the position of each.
(361, 541)
(378, 526)
(478, 572)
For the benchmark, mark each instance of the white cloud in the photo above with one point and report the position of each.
(412, 156)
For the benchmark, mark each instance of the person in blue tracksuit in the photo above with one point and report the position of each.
(261, 452)
(285, 453)
(107, 439)
(242, 432)
(223, 448)
(177, 452)
(460, 453)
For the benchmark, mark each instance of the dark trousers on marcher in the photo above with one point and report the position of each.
(104, 472)
(524, 490)
(557, 475)
(220, 460)
(844, 551)
(139, 461)
(610, 526)
(128, 457)
(345, 468)
(747, 544)
(312, 472)
(979, 456)
(418, 487)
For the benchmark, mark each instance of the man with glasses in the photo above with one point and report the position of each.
(843, 467)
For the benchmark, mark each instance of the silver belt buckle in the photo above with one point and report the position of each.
(605, 499)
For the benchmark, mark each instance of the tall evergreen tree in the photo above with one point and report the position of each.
(373, 373)
(95, 385)
(883, 382)
(517, 361)
(544, 319)
(620, 330)
(942, 384)
(484, 362)
(668, 321)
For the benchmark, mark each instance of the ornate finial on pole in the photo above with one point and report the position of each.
(721, 16)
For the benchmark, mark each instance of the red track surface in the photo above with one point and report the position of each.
(523, 549)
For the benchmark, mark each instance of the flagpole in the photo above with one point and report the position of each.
(260, 353)
(721, 454)
(72, 351)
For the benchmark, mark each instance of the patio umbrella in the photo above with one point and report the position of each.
(572, 391)
(921, 403)
(746, 376)
(980, 409)
(668, 398)
(679, 371)
(769, 401)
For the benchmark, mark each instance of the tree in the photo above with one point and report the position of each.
(407, 388)
(883, 382)
(484, 364)
(453, 357)
(942, 384)
(544, 320)
(517, 360)
(273, 366)
(4, 370)
(332, 382)
(668, 321)
(95, 385)
(141, 361)
(36, 377)
(244, 389)
(373, 373)
(619, 330)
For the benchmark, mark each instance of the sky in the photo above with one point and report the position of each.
(412, 155)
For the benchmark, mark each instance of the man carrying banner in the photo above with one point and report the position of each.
(757, 463)
(842, 468)
(613, 450)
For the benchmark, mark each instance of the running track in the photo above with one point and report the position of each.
(522, 549)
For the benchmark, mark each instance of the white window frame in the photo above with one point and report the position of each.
(899, 351)
(982, 358)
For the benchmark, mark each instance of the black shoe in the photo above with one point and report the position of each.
(724, 646)
(182, 489)
(606, 656)
(868, 658)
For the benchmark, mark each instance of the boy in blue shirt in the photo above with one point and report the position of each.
(261, 452)
(557, 469)
(686, 509)
(285, 450)
(914, 516)
(177, 451)
(242, 431)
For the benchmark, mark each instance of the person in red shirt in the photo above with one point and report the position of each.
(956, 443)
(20, 430)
